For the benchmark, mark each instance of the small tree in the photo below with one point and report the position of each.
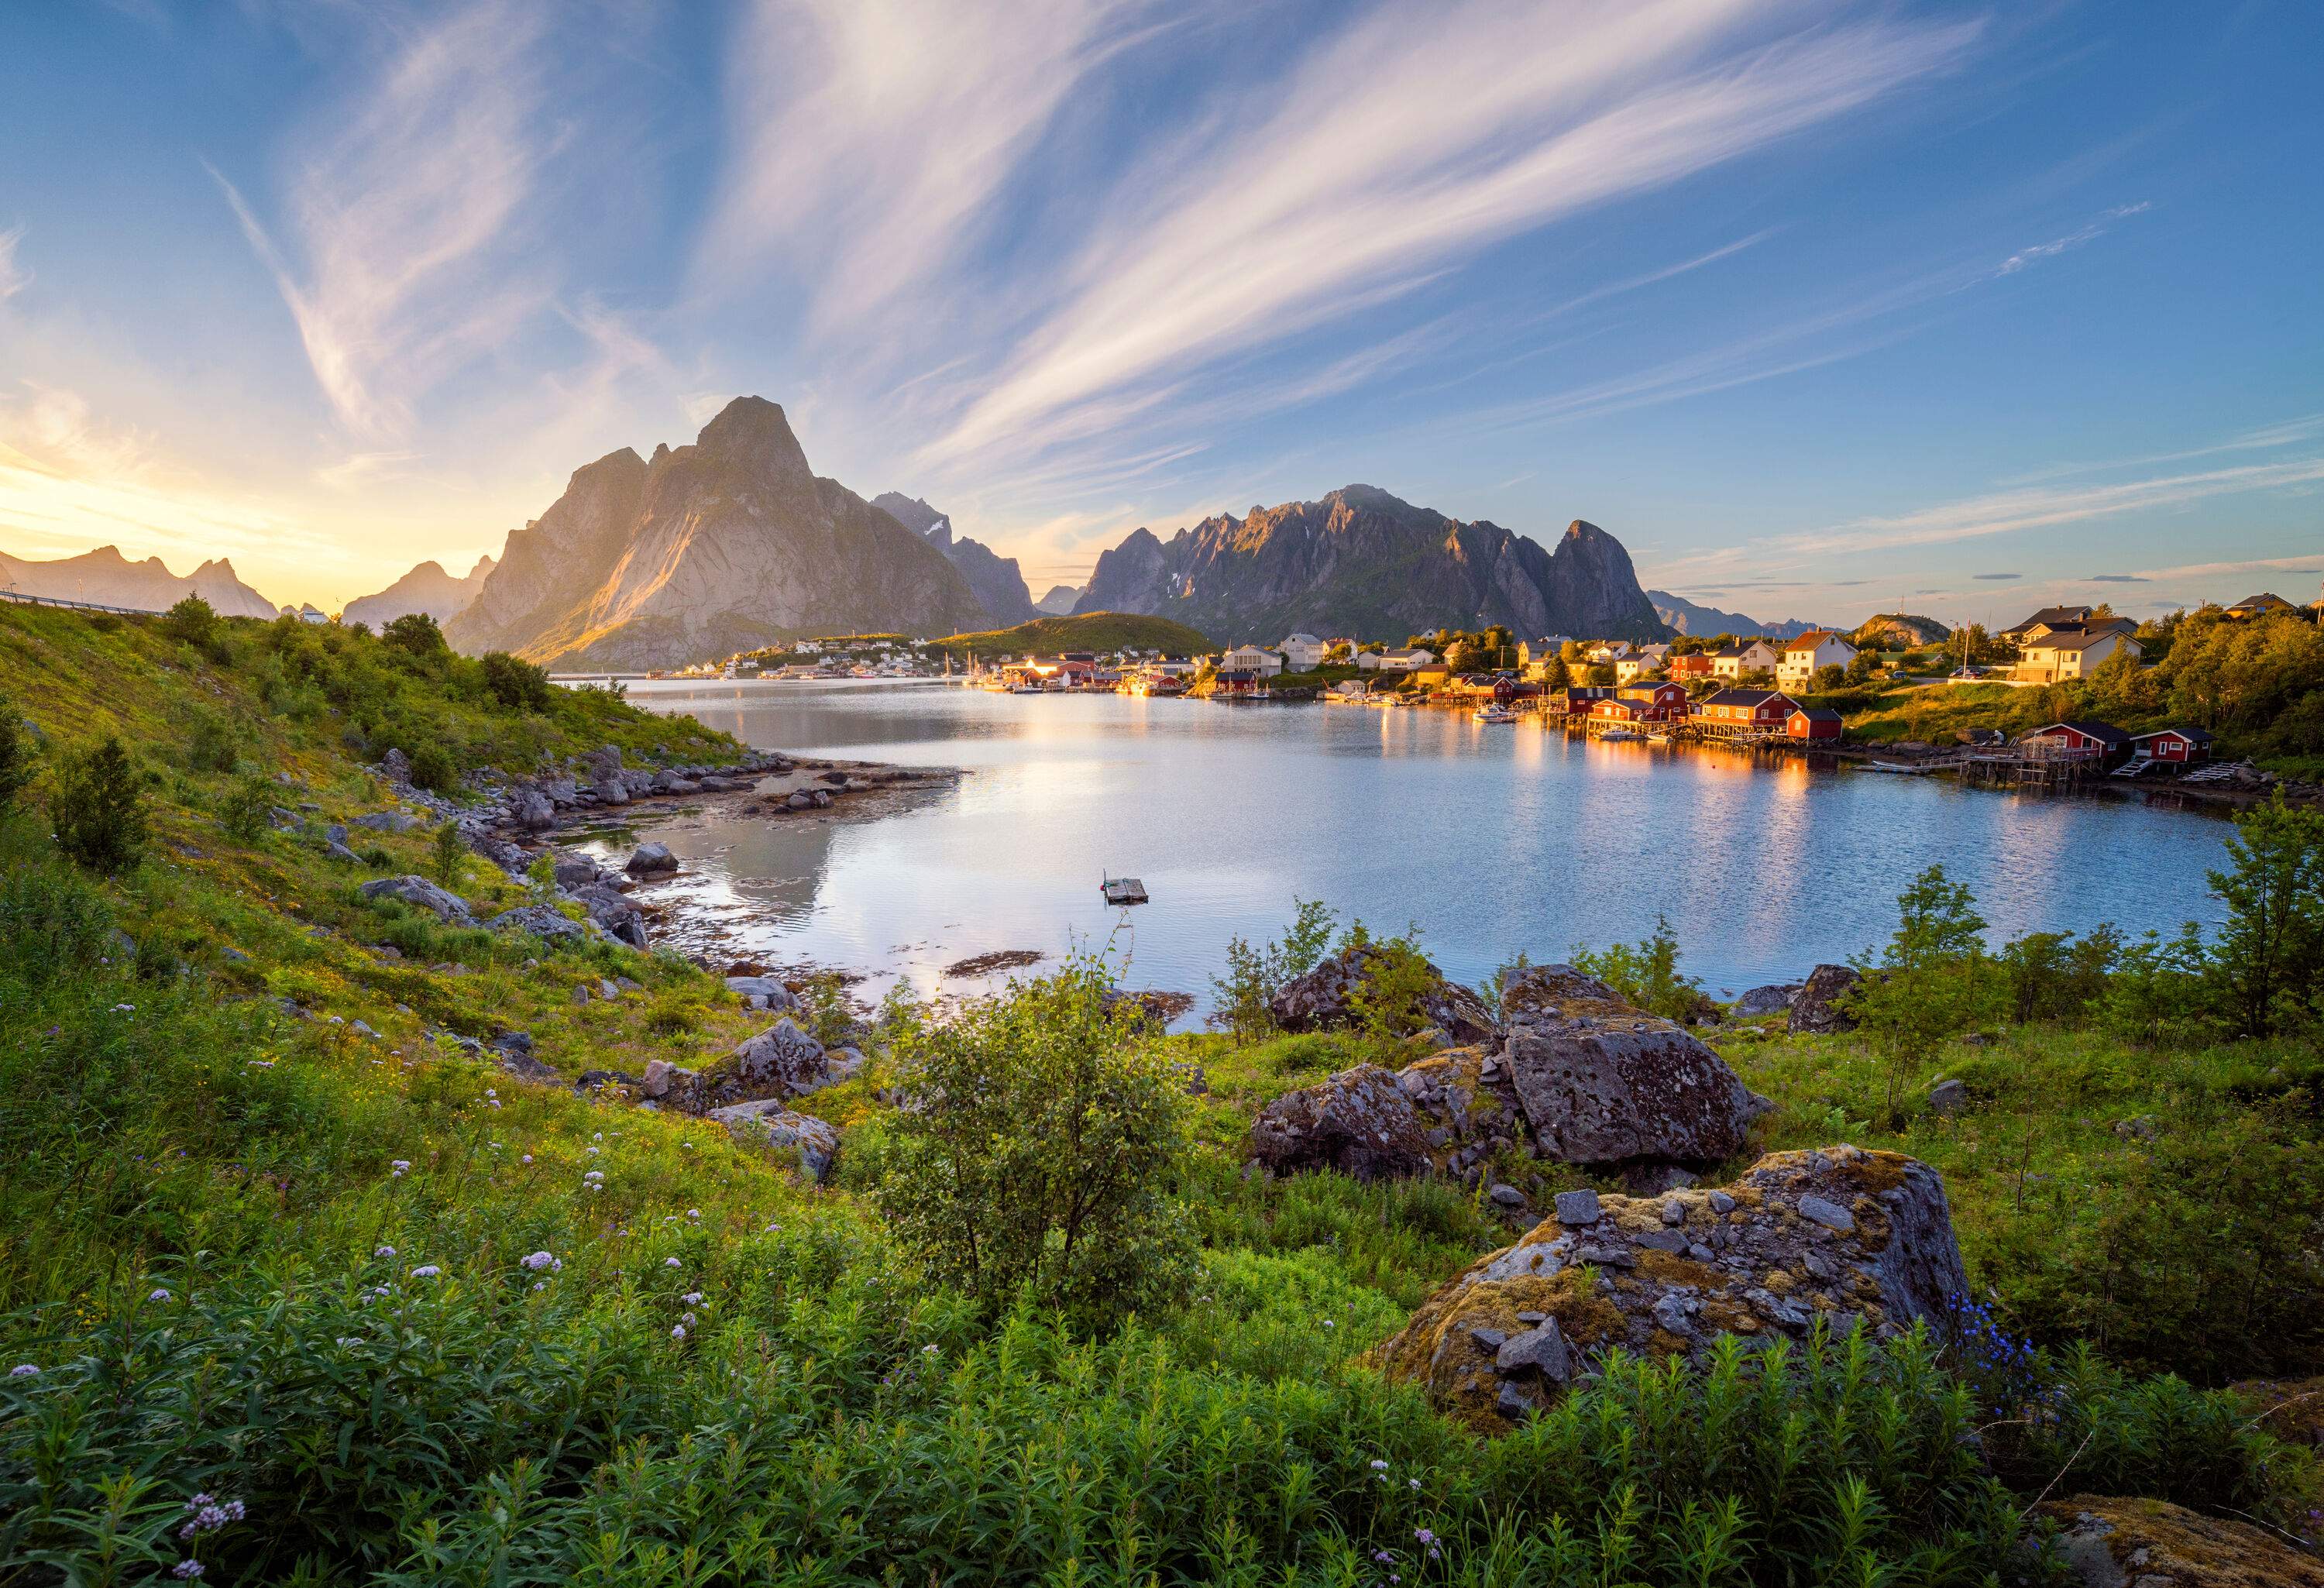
(2268, 962)
(517, 683)
(1556, 675)
(98, 806)
(18, 760)
(434, 770)
(1036, 1157)
(192, 621)
(244, 811)
(1828, 678)
(1254, 976)
(1924, 987)
(1646, 973)
(446, 854)
(415, 634)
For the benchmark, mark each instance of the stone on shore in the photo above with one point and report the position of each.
(420, 894)
(1774, 999)
(544, 922)
(764, 993)
(781, 1057)
(1359, 1123)
(2107, 1542)
(1325, 997)
(652, 860)
(1815, 1010)
(767, 1123)
(1668, 1275)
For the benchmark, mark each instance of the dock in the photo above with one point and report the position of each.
(1122, 889)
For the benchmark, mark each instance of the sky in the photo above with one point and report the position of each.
(1821, 308)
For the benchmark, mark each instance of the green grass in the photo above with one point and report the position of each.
(1100, 632)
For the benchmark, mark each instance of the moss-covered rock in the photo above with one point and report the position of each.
(2111, 1543)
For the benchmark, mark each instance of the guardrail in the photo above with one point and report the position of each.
(23, 598)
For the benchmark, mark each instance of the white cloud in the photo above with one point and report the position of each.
(870, 133)
(1416, 137)
(2074, 239)
(398, 266)
(14, 277)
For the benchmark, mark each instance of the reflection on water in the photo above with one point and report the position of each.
(1493, 840)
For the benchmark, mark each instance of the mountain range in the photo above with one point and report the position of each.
(1685, 617)
(110, 579)
(1060, 600)
(727, 544)
(998, 584)
(1363, 562)
(426, 588)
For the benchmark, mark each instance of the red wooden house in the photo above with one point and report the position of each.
(1577, 700)
(2079, 741)
(2179, 746)
(1745, 708)
(1812, 722)
(1696, 666)
(1657, 701)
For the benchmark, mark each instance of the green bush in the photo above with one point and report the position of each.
(53, 922)
(1646, 973)
(17, 761)
(191, 622)
(98, 806)
(434, 770)
(416, 635)
(247, 808)
(1041, 1152)
(211, 742)
(517, 683)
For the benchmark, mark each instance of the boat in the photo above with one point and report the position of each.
(1897, 767)
(1493, 713)
(1122, 889)
(1621, 735)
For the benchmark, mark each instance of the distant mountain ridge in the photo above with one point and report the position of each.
(1059, 601)
(426, 588)
(110, 579)
(722, 546)
(996, 580)
(1688, 618)
(1363, 562)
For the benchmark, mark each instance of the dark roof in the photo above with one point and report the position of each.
(1751, 697)
(1590, 692)
(2053, 616)
(2104, 733)
(2193, 736)
(1816, 714)
(2265, 598)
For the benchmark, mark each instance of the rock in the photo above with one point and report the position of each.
(1774, 999)
(1947, 1098)
(1323, 998)
(546, 924)
(575, 871)
(1814, 1010)
(822, 797)
(1540, 1349)
(532, 810)
(420, 894)
(1650, 1178)
(335, 850)
(1506, 1196)
(764, 993)
(514, 1051)
(1603, 1083)
(800, 800)
(387, 821)
(1577, 1207)
(652, 860)
(395, 766)
(1629, 1278)
(1829, 1214)
(613, 909)
(2142, 1127)
(610, 791)
(1359, 1122)
(767, 1123)
(782, 1056)
(2112, 1543)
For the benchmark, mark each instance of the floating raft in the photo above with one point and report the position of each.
(1122, 889)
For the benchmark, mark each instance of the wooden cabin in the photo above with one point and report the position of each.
(1812, 722)
(2078, 740)
(2177, 746)
(1744, 708)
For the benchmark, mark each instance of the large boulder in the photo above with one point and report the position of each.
(1774, 999)
(1839, 1235)
(764, 993)
(420, 894)
(1603, 1083)
(1815, 1010)
(782, 1058)
(767, 1123)
(1359, 1123)
(576, 871)
(2111, 1543)
(531, 810)
(1325, 997)
(386, 821)
(613, 909)
(545, 923)
(652, 860)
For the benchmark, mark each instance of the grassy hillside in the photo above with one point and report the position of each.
(1091, 631)
(272, 1235)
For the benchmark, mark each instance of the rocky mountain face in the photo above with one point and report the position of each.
(704, 550)
(1060, 601)
(110, 579)
(426, 588)
(996, 580)
(1363, 562)
(1687, 618)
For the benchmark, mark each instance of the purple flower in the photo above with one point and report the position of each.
(1379, 1466)
(384, 1251)
(426, 1270)
(677, 1332)
(22, 1370)
(1425, 1535)
(158, 1294)
(186, 1571)
(1382, 1556)
(671, 1263)
(538, 1260)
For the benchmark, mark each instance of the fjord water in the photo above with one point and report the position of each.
(1494, 840)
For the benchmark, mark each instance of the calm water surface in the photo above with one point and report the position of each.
(1494, 840)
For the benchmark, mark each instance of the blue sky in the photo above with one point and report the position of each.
(1819, 308)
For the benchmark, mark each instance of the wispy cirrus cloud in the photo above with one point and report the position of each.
(2073, 239)
(1415, 137)
(400, 259)
(14, 277)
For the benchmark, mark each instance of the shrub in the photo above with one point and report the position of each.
(52, 921)
(191, 622)
(98, 806)
(1923, 986)
(1038, 1157)
(210, 742)
(445, 852)
(517, 683)
(2269, 961)
(245, 810)
(17, 759)
(434, 770)
(1646, 973)
(414, 634)
(1254, 976)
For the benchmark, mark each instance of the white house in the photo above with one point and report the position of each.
(1818, 648)
(1304, 652)
(1610, 651)
(1629, 670)
(1537, 652)
(1251, 658)
(2052, 656)
(1732, 661)
(1405, 658)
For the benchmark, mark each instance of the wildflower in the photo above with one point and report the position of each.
(426, 1270)
(186, 1571)
(693, 1212)
(539, 1260)
(594, 1175)
(599, 1136)
(677, 1332)
(528, 1158)
(1330, 1323)
(671, 1263)
(692, 1298)
(492, 1091)
(22, 1370)
(158, 1294)
(1424, 1535)
(1414, 1482)
(397, 1169)
(384, 1251)
(688, 1319)
(1383, 1556)
(927, 1351)
(1379, 1466)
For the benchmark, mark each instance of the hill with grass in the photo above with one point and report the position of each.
(1089, 630)
(341, 1241)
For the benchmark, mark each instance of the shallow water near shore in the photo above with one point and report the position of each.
(1493, 839)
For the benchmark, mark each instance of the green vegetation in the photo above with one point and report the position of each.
(311, 1292)
(1100, 632)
